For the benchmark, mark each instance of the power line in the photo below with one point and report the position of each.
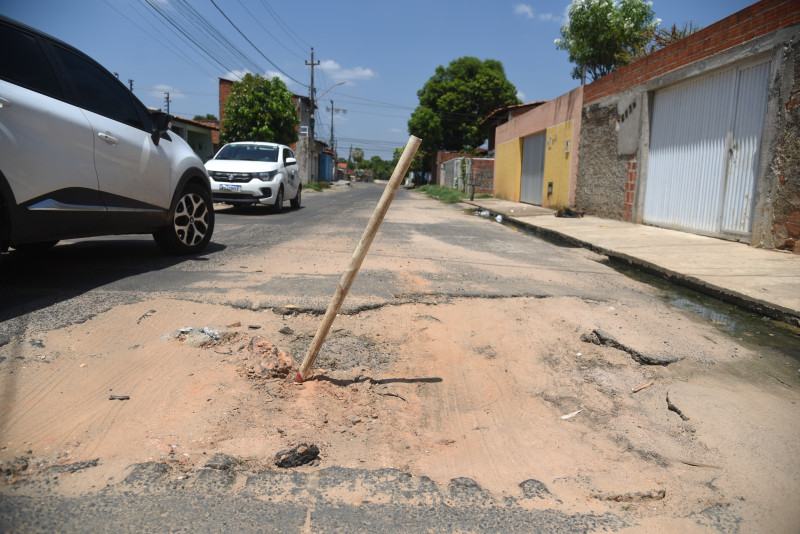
(175, 49)
(255, 47)
(153, 5)
(270, 32)
(286, 28)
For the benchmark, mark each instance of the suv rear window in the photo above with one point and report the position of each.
(95, 89)
(22, 62)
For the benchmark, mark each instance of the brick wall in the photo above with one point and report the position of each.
(630, 190)
(224, 91)
(753, 21)
(483, 176)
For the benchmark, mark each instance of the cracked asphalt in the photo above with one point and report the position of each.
(289, 264)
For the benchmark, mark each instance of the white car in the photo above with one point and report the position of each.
(81, 156)
(251, 172)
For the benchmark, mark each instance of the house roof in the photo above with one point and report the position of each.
(501, 114)
(202, 124)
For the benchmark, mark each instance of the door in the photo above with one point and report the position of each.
(132, 172)
(703, 159)
(532, 180)
(743, 152)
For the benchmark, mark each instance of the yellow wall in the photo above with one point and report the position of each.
(557, 165)
(508, 170)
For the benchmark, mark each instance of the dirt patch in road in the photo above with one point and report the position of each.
(516, 394)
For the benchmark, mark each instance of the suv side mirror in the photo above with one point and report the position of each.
(290, 161)
(161, 124)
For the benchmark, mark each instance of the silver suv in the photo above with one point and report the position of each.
(80, 156)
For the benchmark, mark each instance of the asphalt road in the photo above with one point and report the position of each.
(78, 280)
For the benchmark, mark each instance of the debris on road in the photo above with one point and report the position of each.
(654, 495)
(119, 397)
(643, 386)
(264, 360)
(571, 415)
(302, 454)
(221, 462)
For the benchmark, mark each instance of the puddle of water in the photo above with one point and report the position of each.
(749, 327)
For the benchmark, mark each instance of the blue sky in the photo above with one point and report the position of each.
(383, 51)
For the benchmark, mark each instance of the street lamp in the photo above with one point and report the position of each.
(328, 89)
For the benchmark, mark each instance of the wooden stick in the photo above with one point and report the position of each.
(636, 390)
(358, 256)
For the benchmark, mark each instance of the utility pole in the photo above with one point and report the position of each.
(312, 145)
(167, 101)
(130, 85)
(332, 110)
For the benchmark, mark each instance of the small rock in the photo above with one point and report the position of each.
(302, 454)
(354, 419)
(221, 462)
(13, 467)
(286, 330)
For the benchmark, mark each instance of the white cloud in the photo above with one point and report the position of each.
(396, 130)
(159, 90)
(523, 9)
(545, 16)
(521, 96)
(336, 73)
(235, 75)
(274, 74)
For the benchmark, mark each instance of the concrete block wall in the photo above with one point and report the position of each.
(616, 123)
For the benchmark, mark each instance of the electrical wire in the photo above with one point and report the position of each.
(286, 28)
(255, 47)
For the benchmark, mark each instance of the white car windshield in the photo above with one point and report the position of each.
(249, 153)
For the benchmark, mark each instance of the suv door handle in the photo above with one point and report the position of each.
(108, 139)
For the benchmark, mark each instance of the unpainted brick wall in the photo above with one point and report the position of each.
(753, 21)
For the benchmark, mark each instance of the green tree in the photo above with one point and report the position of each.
(454, 102)
(417, 163)
(602, 35)
(662, 37)
(206, 117)
(260, 109)
(357, 155)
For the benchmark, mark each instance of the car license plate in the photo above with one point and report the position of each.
(226, 187)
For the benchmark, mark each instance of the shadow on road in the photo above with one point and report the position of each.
(33, 281)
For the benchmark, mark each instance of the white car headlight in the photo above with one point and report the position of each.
(266, 176)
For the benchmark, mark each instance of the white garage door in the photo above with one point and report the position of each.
(704, 146)
(532, 182)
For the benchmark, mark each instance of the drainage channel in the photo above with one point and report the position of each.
(751, 328)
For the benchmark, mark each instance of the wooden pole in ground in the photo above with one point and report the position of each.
(358, 255)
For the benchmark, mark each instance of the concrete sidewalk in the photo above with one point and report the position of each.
(765, 281)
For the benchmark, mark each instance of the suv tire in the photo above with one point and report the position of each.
(296, 199)
(191, 222)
